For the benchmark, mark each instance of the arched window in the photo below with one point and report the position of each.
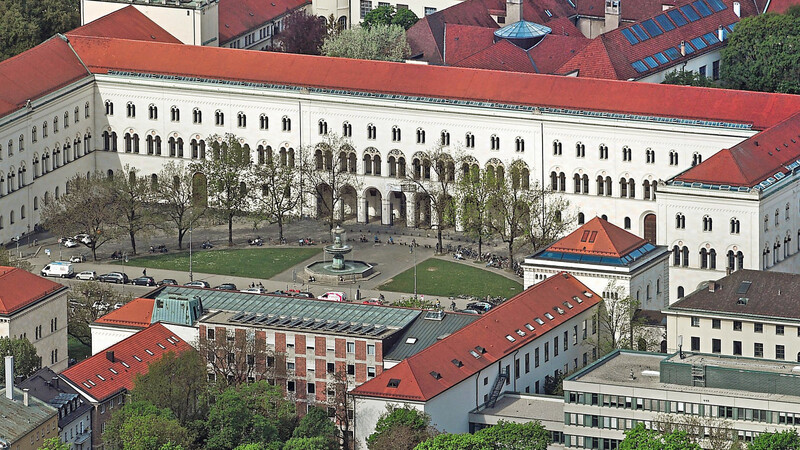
(562, 182)
(372, 131)
(109, 108)
(766, 222)
(631, 188)
(777, 218)
(152, 112)
(577, 183)
(608, 186)
(557, 148)
(286, 123)
(322, 127)
(76, 115)
(685, 252)
(787, 211)
(241, 120)
(627, 154)
(697, 158)
(263, 122)
(673, 158)
(130, 110)
(703, 258)
(735, 225)
(623, 187)
(420, 136)
(603, 151)
(680, 292)
(580, 150)
(495, 142)
(175, 114)
(86, 110)
(444, 138)
(396, 134)
(708, 224)
(600, 185)
(219, 118)
(520, 144)
(627, 223)
(650, 156)
(581, 218)
(197, 116)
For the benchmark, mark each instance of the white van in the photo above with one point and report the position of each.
(61, 269)
(334, 296)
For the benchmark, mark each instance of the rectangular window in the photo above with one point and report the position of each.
(546, 352)
(351, 369)
(370, 349)
(716, 324)
(737, 325)
(695, 321)
(716, 346)
(536, 357)
(351, 347)
(702, 71)
(695, 343)
(555, 346)
(366, 6)
(779, 330)
(737, 348)
(527, 362)
(371, 372)
(516, 368)
(758, 327)
(331, 367)
(715, 70)
(758, 350)
(780, 352)
(312, 388)
(290, 386)
(429, 10)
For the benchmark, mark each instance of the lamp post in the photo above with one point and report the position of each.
(415, 270)
(124, 261)
(191, 277)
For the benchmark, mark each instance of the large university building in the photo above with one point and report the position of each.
(103, 97)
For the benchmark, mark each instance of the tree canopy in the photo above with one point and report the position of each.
(783, 440)
(26, 23)
(687, 78)
(174, 382)
(400, 428)
(389, 15)
(640, 438)
(763, 54)
(522, 436)
(378, 42)
(26, 361)
(140, 425)
(303, 33)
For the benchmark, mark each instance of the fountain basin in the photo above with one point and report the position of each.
(351, 271)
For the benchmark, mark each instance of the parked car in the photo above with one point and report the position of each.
(83, 238)
(255, 290)
(61, 269)
(300, 294)
(334, 296)
(113, 277)
(373, 301)
(87, 275)
(168, 282)
(227, 287)
(198, 283)
(469, 311)
(481, 307)
(144, 281)
(69, 242)
(77, 258)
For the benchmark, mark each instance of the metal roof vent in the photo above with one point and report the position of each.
(436, 375)
(457, 363)
(434, 315)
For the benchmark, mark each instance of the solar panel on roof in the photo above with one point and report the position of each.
(711, 38)
(661, 58)
(698, 43)
(629, 36)
(652, 28)
(651, 62)
(672, 53)
(688, 48)
(639, 32)
(677, 17)
(664, 22)
(690, 13)
(702, 8)
(717, 5)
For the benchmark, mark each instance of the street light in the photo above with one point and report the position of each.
(124, 261)
(191, 278)
(415, 269)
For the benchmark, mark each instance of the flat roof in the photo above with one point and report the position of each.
(515, 406)
(312, 325)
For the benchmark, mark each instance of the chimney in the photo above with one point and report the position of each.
(110, 355)
(683, 48)
(737, 9)
(612, 15)
(720, 34)
(54, 382)
(513, 11)
(712, 286)
(25, 397)
(10, 377)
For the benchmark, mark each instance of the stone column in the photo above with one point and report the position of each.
(361, 208)
(411, 210)
(386, 211)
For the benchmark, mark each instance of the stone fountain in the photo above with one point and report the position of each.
(338, 269)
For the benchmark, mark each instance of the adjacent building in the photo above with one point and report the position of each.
(26, 421)
(104, 379)
(749, 313)
(74, 413)
(35, 308)
(547, 330)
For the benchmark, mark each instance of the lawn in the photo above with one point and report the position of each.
(77, 350)
(448, 279)
(259, 263)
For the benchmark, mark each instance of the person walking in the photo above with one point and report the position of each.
(144, 272)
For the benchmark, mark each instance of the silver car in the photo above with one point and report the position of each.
(87, 275)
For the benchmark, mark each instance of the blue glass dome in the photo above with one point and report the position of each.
(523, 34)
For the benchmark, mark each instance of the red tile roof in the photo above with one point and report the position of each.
(753, 160)
(125, 23)
(462, 41)
(20, 288)
(37, 72)
(555, 49)
(760, 110)
(592, 61)
(780, 6)
(137, 314)
(599, 237)
(94, 377)
(632, 10)
(237, 17)
(489, 333)
(500, 56)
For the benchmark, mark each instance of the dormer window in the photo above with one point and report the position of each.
(393, 383)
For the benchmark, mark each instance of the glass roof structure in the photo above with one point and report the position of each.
(522, 30)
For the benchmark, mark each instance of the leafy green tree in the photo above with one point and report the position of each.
(317, 425)
(84, 307)
(26, 361)
(522, 436)
(174, 382)
(405, 18)
(778, 440)
(474, 191)
(141, 425)
(687, 78)
(176, 201)
(309, 443)
(303, 33)
(249, 413)
(400, 428)
(17, 32)
(640, 438)
(25, 23)
(54, 443)
(763, 54)
(388, 15)
(379, 42)
(227, 170)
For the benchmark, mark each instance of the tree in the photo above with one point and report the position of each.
(777, 440)
(510, 209)
(303, 33)
(175, 382)
(475, 189)
(327, 172)
(26, 361)
(227, 169)
(7, 260)
(763, 54)
(87, 206)
(140, 425)
(687, 78)
(640, 438)
(316, 426)
(84, 307)
(249, 413)
(25, 24)
(400, 428)
(280, 196)
(715, 433)
(132, 197)
(54, 443)
(380, 42)
(522, 436)
(177, 203)
(308, 443)
(549, 217)
(388, 15)
(236, 359)
(433, 178)
(343, 407)
(620, 326)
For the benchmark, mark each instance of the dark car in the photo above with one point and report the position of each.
(301, 294)
(227, 287)
(113, 277)
(144, 281)
(168, 282)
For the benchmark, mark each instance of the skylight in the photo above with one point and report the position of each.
(568, 305)
(510, 338)
(549, 316)
(436, 374)
(474, 353)
(539, 321)
(161, 345)
(393, 383)
(529, 327)
(149, 352)
(577, 299)
(125, 364)
(558, 310)
(101, 377)
(411, 340)
(137, 358)
(111, 369)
